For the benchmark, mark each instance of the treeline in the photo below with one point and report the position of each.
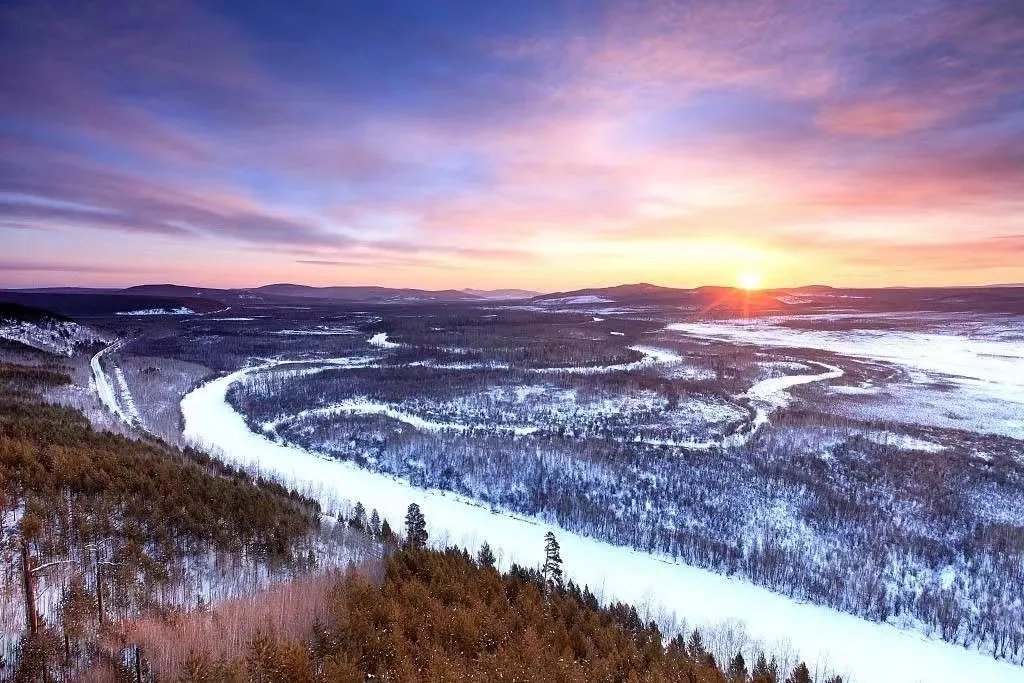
(432, 615)
(95, 527)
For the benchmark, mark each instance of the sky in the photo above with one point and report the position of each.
(547, 145)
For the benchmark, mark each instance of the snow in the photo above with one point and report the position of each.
(867, 651)
(617, 334)
(181, 310)
(983, 368)
(849, 390)
(61, 337)
(904, 442)
(652, 356)
(597, 319)
(578, 300)
(362, 406)
(381, 339)
(772, 393)
(319, 331)
(105, 390)
(131, 410)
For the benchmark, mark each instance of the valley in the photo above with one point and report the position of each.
(716, 457)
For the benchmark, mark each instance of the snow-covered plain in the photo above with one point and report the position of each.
(864, 651)
(981, 369)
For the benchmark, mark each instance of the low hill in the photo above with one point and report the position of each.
(107, 302)
(44, 330)
(502, 294)
(367, 294)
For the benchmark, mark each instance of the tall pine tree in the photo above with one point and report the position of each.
(415, 527)
(800, 674)
(764, 672)
(552, 570)
(737, 672)
(485, 558)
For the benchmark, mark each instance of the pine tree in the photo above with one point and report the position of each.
(359, 516)
(764, 672)
(415, 527)
(485, 558)
(800, 674)
(375, 523)
(386, 533)
(737, 672)
(552, 570)
(695, 647)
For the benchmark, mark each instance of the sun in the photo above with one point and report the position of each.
(749, 280)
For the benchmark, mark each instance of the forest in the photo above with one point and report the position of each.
(822, 506)
(96, 527)
(111, 546)
(433, 615)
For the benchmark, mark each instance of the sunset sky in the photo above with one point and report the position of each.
(548, 145)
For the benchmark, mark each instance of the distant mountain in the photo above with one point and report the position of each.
(178, 291)
(635, 293)
(367, 294)
(506, 294)
(76, 302)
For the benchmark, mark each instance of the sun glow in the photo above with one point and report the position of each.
(749, 280)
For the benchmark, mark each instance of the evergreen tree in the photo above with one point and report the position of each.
(552, 570)
(386, 533)
(359, 516)
(800, 674)
(695, 647)
(764, 672)
(375, 523)
(485, 558)
(737, 671)
(415, 527)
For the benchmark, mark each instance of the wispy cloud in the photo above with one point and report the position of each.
(522, 144)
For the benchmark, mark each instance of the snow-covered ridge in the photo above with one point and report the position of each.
(181, 310)
(62, 337)
(577, 300)
(870, 651)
